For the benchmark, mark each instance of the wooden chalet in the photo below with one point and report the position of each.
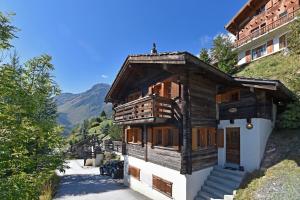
(174, 108)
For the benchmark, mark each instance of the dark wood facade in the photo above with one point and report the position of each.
(168, 105)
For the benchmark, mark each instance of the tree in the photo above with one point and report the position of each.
(84, 129)
(293, 39)
(115, 132)
(223, 53)
(103, 114)
(7, 31)
(204, 56)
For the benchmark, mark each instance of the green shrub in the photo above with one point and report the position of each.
(290, 118)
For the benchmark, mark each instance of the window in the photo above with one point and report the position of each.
(134, 172)
(203, 138)
(134, 135)
(283, 14)
(165, 137)
(162, 185)
(282, 42)
(168, 89)
(229, 96)
(259, 52)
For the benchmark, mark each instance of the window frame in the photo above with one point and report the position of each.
(163, 133)
(135, 139)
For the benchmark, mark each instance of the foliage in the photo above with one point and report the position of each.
(290, 118)
(115, 132)
(204, 56)
(49, 187)
(7, 31)
(293, 39)
(103, 114)
(30, 139)
(223, 53)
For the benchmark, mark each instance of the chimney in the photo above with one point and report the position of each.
(153, 50)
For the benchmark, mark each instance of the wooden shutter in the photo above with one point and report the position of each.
(220, 138)
(248, 56)
(270, 46)
(219, 98)
(203, 133)
(174, 90)
(139, 135)
(154, 136)
(212, 133)
(194, 139)
(134, 172)
(162, 185)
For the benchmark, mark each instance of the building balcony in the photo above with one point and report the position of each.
(149, 109)
(290, 16)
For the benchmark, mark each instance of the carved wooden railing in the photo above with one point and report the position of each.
(146, 108)
(282, 20)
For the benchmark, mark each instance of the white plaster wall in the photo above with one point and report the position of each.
(148, 169)
(241, 57)
(276, 44)
(252, 141)
(195, 182)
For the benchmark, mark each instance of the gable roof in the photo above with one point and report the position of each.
(191, 62)
(166, 58)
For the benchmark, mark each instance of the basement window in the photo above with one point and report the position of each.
(162, 185)
(134, 172)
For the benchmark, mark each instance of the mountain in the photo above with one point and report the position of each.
(74, 108)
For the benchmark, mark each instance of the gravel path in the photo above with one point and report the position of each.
(85, 183)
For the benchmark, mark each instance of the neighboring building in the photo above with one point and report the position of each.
(261, 26)
(182, 117)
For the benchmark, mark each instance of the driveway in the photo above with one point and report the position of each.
(85, 183)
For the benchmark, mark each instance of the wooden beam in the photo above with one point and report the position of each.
(186, 153)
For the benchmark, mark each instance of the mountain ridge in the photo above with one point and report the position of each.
(74, 108)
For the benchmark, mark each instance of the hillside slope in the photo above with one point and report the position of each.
(74, 108)
(277, 66)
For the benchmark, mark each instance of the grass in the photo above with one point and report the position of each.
(49, 188)
(281, 177)
(278, 66)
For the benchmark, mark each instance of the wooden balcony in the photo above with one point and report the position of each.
(149, 109)
(281, 21)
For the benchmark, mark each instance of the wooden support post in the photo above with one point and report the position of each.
(123, 141)
(145, 136)
(186, 153)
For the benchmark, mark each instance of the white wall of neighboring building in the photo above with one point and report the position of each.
(252, 141)
(241, 57)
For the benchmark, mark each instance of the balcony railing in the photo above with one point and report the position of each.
(149, 109)
(282, 20)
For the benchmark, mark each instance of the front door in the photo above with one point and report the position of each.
(233, 145)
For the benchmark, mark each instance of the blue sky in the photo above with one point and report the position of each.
(90, 39)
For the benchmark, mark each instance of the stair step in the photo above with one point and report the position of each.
(205, 195)
(224, 188)
(227, 176)
(217, 193)
(224, 181)
(234, 172)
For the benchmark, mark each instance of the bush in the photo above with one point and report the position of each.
(290, 118)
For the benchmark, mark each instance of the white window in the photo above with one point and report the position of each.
(259, 51)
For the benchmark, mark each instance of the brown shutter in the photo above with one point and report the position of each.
(248, 56)
(270, 46)
(219, 98)
(212, 132)
(194, 139)
(139, 135)
(203, 132)
(174, 90)
(162, 185)
(134, 172)
(220, 138)
(154, 136)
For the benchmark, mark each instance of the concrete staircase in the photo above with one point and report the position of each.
(220, 184)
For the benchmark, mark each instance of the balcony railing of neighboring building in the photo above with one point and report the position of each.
(282, 20)
(147, 109)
